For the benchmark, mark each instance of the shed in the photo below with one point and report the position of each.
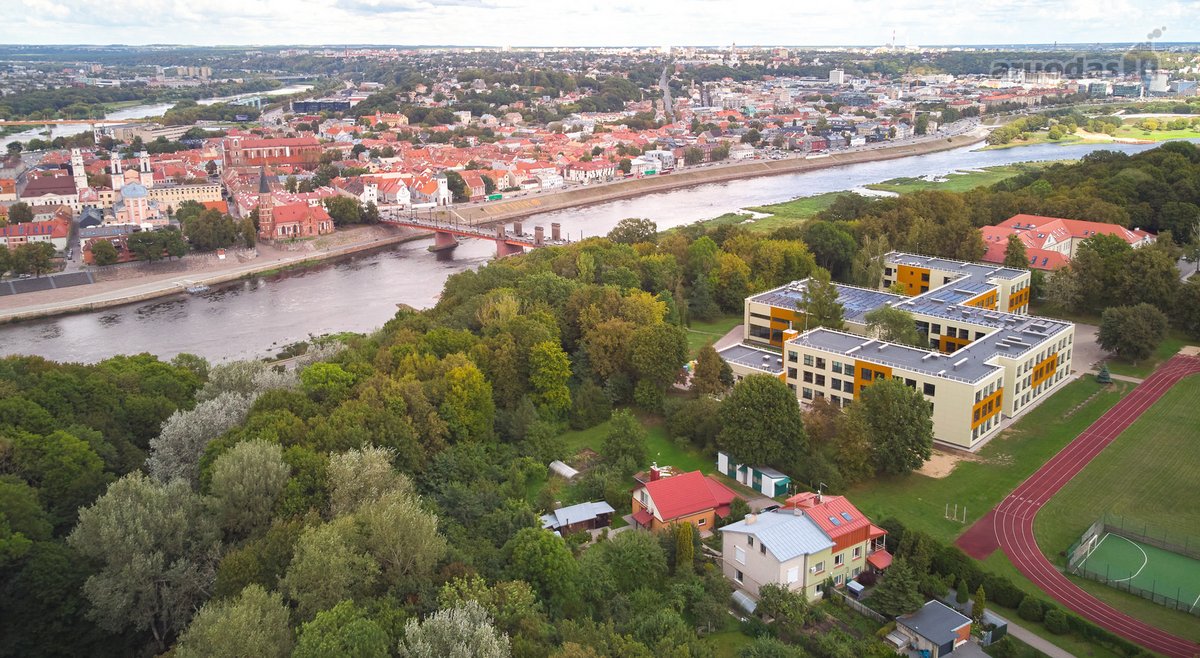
(856, 588)
(763, 479)
(935, 628)
(584, 516)
(745, 601)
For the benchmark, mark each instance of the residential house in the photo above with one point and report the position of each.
(576, 518)
(935, 630)
(476, 188)
(587, 172)
(54, 231)
(1051, 242)
(684, 498)
(815, 539)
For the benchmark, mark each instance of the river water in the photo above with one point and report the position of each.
(138, 112)
(253, 318)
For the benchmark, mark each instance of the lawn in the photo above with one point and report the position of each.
(1038, 137)
(1148, 476)
(659, 446)
(959, 181)
(1128, 131)
(1167, 349)
(919, 501)
(783, 214)
(702, 333)
(729, 640)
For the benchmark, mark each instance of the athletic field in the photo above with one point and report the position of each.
(1168, 578)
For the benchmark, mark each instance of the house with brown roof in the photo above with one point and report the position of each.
(685, 498)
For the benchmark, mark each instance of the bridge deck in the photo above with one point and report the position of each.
(468, 231)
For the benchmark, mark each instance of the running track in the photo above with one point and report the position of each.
(1011, 522)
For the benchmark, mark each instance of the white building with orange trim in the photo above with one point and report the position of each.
(985, 358)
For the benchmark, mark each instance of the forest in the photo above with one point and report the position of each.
(380, 495)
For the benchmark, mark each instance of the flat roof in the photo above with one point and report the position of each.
(768, 361)
(981, 271)
(970, 368)
(856, 302)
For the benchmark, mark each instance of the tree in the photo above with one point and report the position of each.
(64, 468)
(894, 325)
(370, 213)
(464, 631)
(708, 377)
(901, 425)
(979, 605)
(1014, 253)
(658, 353)
(14, 148)
(762, 422)
(19, 213)
(156, 546)
(549, 372)
(897, 594)
(543, 560)
(343, 630)
(343, 210)
(246, 483)
(633, 230)
(327, 567)
(820, 304)
(625, 441)
(176, 451)
(1132, 332)
(361, 476)
(832, 246)
(591, 405)
(685, 549)
(146, 245)
(402, 538)
(866, 270)
(457, 186)
(34, 258)
(468, 408)
(625, 166)
(788, 608)
(961, 592)
(104, 253)
(1187, 307)
(326, 382)
(253, 624)
(693, 156)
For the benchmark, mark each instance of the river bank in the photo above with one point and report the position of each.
(108, 294)
(513, 209)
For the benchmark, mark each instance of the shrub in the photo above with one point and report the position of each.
(1056, 622)
(868, 578)
(1031, 609)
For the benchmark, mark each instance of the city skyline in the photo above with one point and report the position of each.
(534, 23)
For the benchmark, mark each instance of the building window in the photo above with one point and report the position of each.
(937, 329)
(701, 521)
(750, 539)
(837, 367)
(857, 552)
(911, 383)
(819, 567)
(762, 548)
(793, 357)
(808, 377)
(808, 359)
(839, 559)
(793, 574)
(791, 373)
(820, 380)
(866, 374)
(836, 384)
(737, 575)
(857, 570)
(739, 555)
(820, 363)
(930, 389)
(837, 580)
(806, 393)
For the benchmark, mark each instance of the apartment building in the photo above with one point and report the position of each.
(812, 540)
(985, 358)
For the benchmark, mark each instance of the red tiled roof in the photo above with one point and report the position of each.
(880, 559)
(830, 513)
(876, 532)
(643, 518)
(687, 493)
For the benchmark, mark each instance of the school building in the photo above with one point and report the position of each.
(985, 357)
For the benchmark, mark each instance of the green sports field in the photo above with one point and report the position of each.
(1169, 578)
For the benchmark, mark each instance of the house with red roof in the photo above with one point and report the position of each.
(1051, 242)
(813, 540)
(685, 498)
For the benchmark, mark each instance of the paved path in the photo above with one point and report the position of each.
(1038, 642)
(1010, 524)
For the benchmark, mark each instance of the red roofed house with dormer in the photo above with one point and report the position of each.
(684, 498)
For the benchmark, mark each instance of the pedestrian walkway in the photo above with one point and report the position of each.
(1014, 629)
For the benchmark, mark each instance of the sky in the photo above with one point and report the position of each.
(520, 23)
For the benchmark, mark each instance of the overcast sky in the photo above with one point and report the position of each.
(596, 23)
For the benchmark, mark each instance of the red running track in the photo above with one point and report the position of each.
(1012, 519)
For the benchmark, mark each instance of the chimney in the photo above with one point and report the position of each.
(751, 518)
(655, 474)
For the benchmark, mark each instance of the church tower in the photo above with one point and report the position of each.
(266, 205)
(77, 170)
(144, 172)
(116, 170)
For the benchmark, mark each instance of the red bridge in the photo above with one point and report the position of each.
(446, 234)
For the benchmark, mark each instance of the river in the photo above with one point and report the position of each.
(254, 318)
(139, 112)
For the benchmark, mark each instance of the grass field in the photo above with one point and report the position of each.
(1148, 474)
(958, 181)
(659, 446)
(919, 501)
(1164, 351)
(1128, 131)
(701, 333)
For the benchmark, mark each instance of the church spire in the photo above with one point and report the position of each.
(263, 186)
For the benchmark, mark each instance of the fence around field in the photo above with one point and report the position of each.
(1143, 533)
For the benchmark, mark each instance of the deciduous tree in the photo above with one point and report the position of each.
(820, 304)
(762, 422)
(1132, 332)
(901, 425)
(343, 630)
(327, 567)
(464, 631)
(633, 230)
(253, 624)
(894, 325)
(246, 483)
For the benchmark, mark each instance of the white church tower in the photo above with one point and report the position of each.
(144, 171)
(77, 170)
(116, 170)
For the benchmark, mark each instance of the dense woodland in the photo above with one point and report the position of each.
(381, 496)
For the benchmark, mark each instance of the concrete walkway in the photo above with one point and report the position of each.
(1038, 642)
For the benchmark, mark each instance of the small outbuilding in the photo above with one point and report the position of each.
(935, 628)
(584, 516)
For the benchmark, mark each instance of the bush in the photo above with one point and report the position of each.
(868, 578)
(1056, 622)
(1031, 609)
(1002, 592)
